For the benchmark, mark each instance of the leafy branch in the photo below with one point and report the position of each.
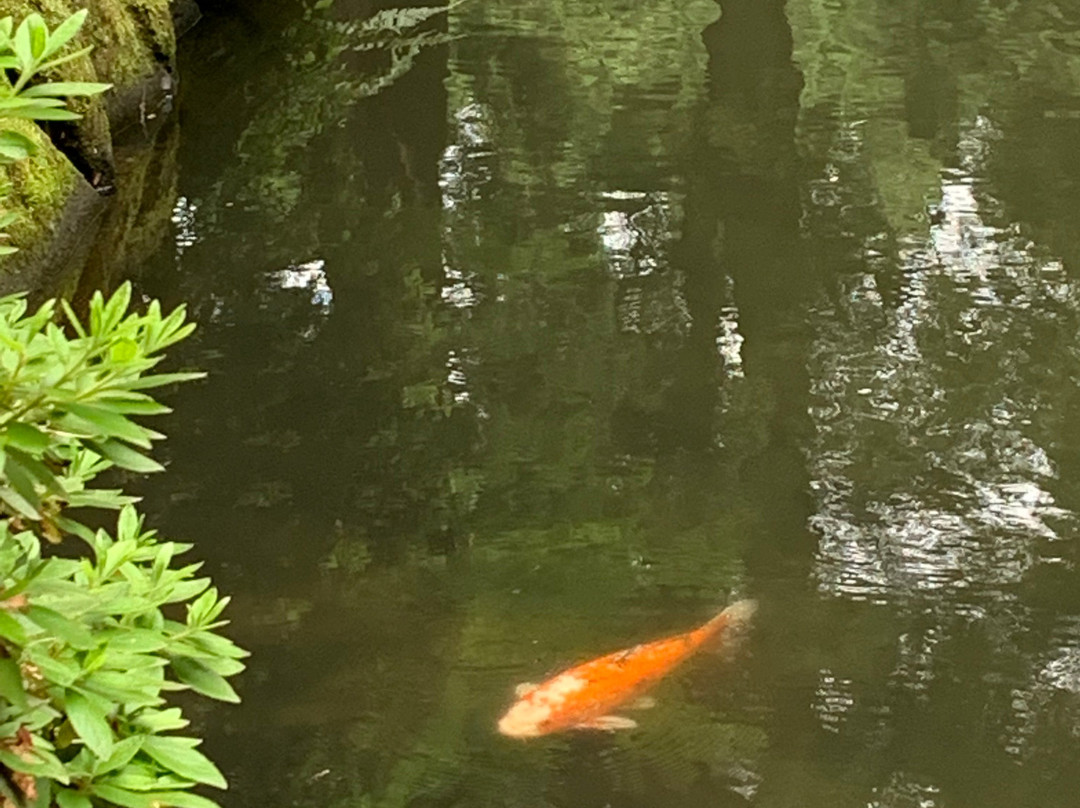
(90, 645)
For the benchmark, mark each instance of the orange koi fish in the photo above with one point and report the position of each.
(584, 697)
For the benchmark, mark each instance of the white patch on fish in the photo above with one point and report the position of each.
(525, 719)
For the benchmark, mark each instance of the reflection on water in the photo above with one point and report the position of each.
(596, 314)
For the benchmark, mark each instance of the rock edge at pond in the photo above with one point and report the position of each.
(59, 193)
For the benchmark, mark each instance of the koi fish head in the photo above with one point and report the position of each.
(526, 719)
(542, 709)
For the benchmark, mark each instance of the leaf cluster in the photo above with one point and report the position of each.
(90, 645)
(66, 403)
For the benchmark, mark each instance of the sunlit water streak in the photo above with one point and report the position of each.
(969, 497)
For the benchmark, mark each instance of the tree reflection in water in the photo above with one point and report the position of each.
(600, 312)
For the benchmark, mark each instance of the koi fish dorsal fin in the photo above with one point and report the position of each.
(524, 689)
(607, 723)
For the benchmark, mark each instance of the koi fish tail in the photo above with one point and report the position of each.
(734, 618)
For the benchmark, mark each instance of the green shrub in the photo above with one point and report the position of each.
(91, 642)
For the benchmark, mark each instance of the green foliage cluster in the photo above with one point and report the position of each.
(91, 642)
(31, 50)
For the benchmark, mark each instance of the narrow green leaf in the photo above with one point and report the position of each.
(161, 720)
(21, 45)
(150, 799)
(185, 799)
(21, 480)
(14, 102)
(119, 553)
(67, 798)
(11, 683)
(179, 756)
(74, 634)
(63, 59)
(16, 146)
(203, 680)
(40, 472)
(218, 645)
(65, 31)
(134, 404)
(123, 752)
(39, 112)
(39, 35)
(90, 725)
(28, 578)
(125, 798)
(139, 776)
(111, 424)
(75, 528)
(134, 691)
(18, 503)
(57, 88)
(27, 437)
(222, 666)
(72, 318)
(117, 306)
(11, 629)
(159, 379)
(42, 764)
(58, 671)
(135, 640)
(123, 456)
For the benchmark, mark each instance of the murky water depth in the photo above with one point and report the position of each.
(599, 314)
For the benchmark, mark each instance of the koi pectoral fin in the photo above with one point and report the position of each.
(608, 723)
(524, 689)
(643, 703)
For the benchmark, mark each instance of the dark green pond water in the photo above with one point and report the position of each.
(578, 319)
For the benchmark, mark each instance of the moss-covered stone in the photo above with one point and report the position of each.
(57, 212)
(131, 38)
(39, 186)
(134, 47)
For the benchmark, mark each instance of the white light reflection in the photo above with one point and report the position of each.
(925, 468)
(183, 218)
(833, 700)
(904, 791)
(635, 232)
(729, 341)
(310, 276)
(1049, 703)
(466, 170)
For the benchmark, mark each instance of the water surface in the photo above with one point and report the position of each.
(561, 329)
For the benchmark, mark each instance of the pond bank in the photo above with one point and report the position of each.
(89, 182)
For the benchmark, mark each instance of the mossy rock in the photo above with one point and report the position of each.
(134, 48)
(132, 39)
(56, 209)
